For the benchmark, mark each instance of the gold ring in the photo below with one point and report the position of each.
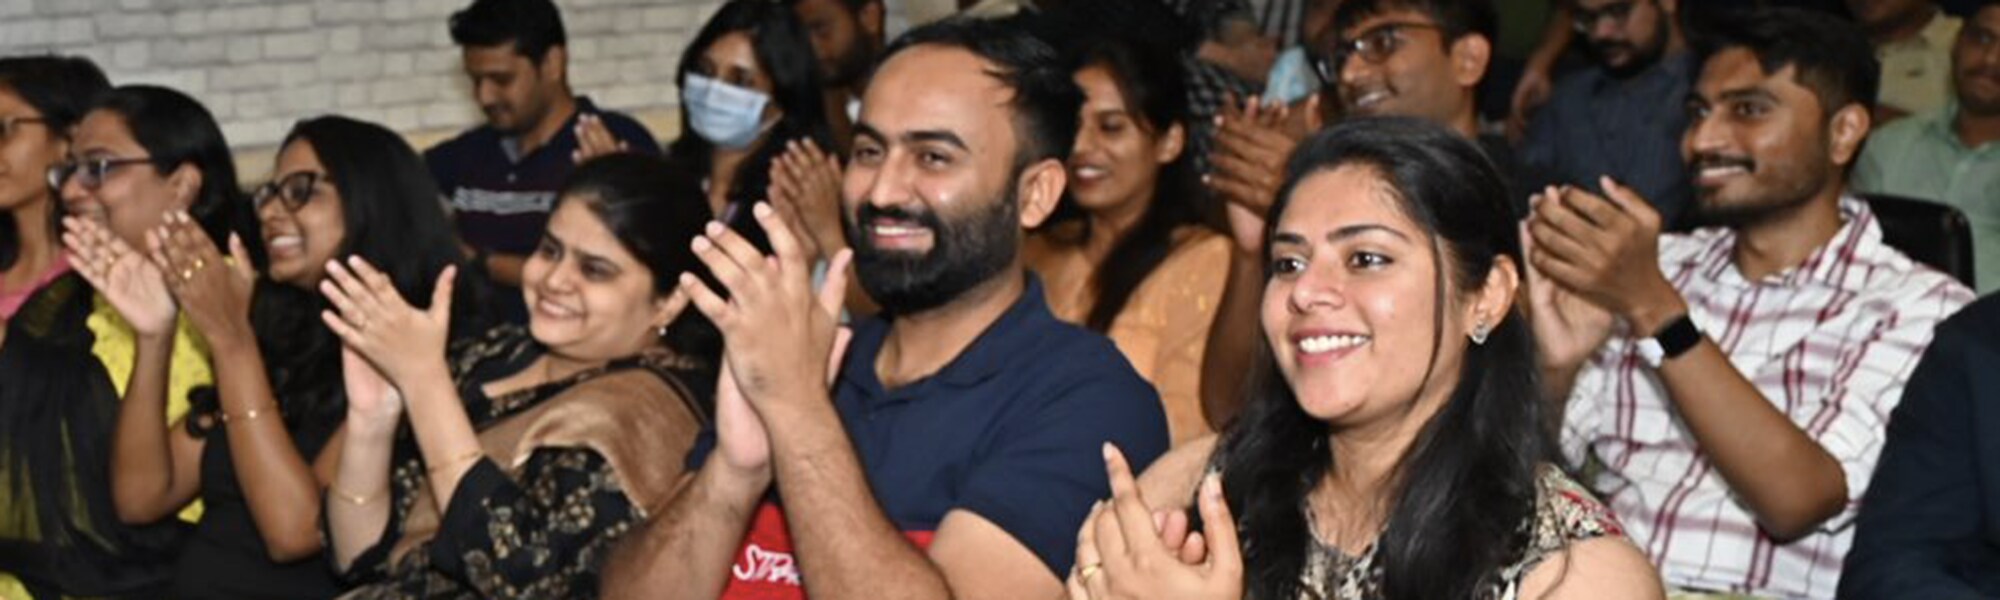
(1084, 573)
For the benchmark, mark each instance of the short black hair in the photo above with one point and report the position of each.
(1830, 55)
(853, 6)
(533, 26)
(1455, 18)
(1047, 103)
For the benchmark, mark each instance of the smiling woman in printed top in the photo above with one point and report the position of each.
(528, 450)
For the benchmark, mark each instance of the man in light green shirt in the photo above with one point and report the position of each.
(1952, 156)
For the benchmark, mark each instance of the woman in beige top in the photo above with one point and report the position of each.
(1139, 255)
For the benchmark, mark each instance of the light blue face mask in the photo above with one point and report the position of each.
(1291, 78)
(728, 116)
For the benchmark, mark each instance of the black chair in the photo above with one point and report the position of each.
(1934, 234)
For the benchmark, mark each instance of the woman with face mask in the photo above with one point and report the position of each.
(59, 533)
(748, 88)
(527, 451)
(254, 446)
(1138, 253)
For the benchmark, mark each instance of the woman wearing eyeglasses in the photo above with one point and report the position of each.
(255, 446)
(59, 534)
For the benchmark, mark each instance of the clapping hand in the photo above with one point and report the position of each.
(131, 283)
(372, 318)
(1124, 550)
(214, 292)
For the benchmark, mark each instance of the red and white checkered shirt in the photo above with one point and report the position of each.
(1830, 342)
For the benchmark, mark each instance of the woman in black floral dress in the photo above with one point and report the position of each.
(529, 450)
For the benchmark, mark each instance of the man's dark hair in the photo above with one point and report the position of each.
(1829, 55)
(853, 6)
(1046, 100)
(533, 26)
(1455, 18)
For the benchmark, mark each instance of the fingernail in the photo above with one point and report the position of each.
(713, 228)
(1109, 451)
(700, 244)
(1211, 486)
(762, 209)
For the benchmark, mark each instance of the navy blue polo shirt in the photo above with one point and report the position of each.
(1011, 430)
(500, 198)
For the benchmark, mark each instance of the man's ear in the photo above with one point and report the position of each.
(185, 182)
(555, 64)
(873, 17)
(1470, 56)
(1041, 187)
(1845, 132)
(1172, 142)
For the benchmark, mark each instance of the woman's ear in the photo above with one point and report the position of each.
(1495, 299)
(668, 308)
(185, 182)
(1172, 142)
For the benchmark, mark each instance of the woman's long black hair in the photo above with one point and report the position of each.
(389, 206)
(785, 54)
(1155, 91)
(61, 88)
(1464, 489)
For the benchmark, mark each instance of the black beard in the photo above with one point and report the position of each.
(966, 252)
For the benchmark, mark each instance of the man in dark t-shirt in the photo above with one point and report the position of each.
(963, 443)
(500, 179)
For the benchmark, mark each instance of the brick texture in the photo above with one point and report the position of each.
(260, 65)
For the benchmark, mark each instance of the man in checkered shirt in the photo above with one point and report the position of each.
(1727, 390)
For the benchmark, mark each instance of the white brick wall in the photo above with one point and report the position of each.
(262, 64)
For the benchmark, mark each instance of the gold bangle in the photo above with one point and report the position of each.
(468, 456)
(248, 415)
(353, 499)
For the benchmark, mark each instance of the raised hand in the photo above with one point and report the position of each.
(779, 330)
(1605, 249)
(1248, 160)
(373, 319)
(130, 282)
(214, 292)
(593, 139)
(805, 188)
(1567, 327)
(373, 404)
(1121, 552)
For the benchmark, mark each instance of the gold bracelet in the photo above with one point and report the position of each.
(468, 456)
(353, 499)
(248, 415)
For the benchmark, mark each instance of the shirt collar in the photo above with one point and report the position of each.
(1023, 322)
(565, 136)
(1831, 265)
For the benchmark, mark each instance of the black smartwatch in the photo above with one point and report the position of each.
(1671, 341)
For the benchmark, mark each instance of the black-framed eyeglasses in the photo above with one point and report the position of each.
(291, 191)
(9, 125)
(1585, 20)
(93, 170)
(1375, 46)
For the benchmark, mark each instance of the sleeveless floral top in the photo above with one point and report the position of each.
(1565, 513)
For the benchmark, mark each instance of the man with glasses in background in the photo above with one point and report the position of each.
(1622, 116)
